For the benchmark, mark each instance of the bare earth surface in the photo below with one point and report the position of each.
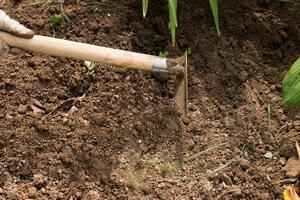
(71, 133)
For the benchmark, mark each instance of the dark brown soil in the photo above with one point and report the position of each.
(71, 133)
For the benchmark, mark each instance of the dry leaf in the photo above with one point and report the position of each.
(290, 194)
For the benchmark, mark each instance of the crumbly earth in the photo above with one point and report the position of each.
(69, 132)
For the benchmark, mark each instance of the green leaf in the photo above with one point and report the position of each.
(291, 85)
(145, 4)
(215, 12)
(173, 19)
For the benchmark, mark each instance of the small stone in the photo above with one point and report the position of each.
(268, 155)
(22, 109)
(73, 110)
(43, 191)
(1, 191)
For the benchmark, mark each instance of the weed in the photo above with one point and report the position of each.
(56, 20)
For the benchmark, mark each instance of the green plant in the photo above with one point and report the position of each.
(56, 20)
(172, 5)
(215, 12)
(291, 85)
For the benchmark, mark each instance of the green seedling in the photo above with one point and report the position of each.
(291, 85)
(172, 5)
(56, 20)
(215, 12)
(189, 51)
(145, 4)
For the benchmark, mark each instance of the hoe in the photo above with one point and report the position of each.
(121, 58)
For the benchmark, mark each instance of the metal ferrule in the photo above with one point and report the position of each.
(160, 65)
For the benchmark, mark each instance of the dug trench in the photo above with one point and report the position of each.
(68, 132)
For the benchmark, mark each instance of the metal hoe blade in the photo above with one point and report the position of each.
(181, 88)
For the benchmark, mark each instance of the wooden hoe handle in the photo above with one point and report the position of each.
(86, 52)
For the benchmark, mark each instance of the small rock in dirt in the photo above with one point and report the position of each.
(73, 110)
(293, 167)
(39, 180)
(268, 155)
(1, 191)
(244, 164)
(22, 109)
(92, 195)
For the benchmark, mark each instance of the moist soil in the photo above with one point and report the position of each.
(72, 132)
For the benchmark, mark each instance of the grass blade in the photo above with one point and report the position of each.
(145, 4)
(291, 85)
(215, 12)
(173, 19)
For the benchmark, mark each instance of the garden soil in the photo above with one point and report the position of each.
(72, 132)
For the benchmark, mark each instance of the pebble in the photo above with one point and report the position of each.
(73, 110)
(268, 155)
